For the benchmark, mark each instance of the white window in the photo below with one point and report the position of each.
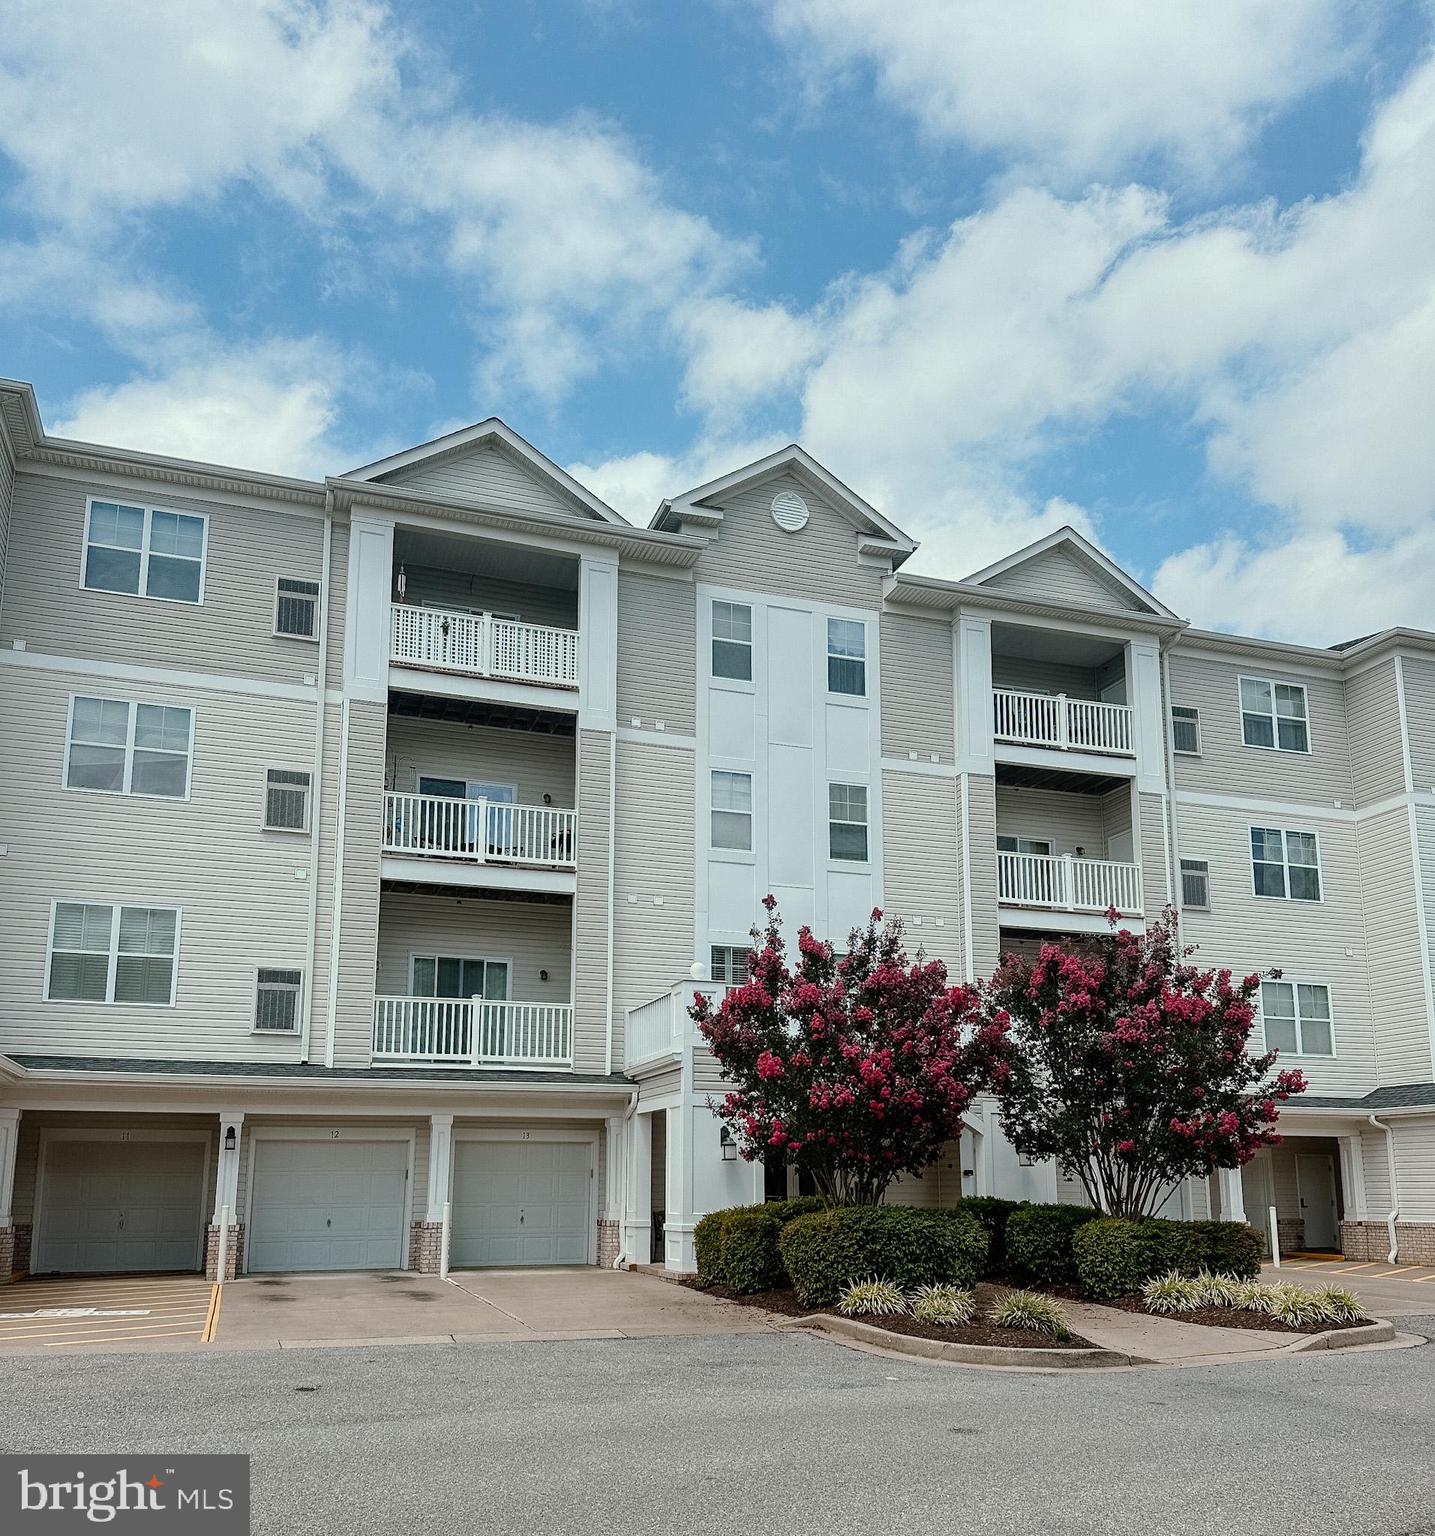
(296, 608)
(727, 963)
(1185, 729)
(145, 551)
(732, 641)
(1196, 884)
(276, 1001)
(116, 747)
(847, 657)
(847, 821)
(732, 810)
(1274, 715)
(457, 976)
(112, 954)
(286, 801)
(1295, 1016)
(1285, 864)
(1033, 845)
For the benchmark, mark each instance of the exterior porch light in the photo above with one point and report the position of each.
(728, 1145)
(229, 1138)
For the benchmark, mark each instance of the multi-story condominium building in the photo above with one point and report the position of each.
(363, 840)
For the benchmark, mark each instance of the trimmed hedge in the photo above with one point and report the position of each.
(1038, 1241)
(1116, 1257)
(993, 1212)
(1229, 1248)
(827, 1250)
(738, 1246)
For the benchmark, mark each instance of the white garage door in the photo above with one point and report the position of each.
(520, 1202)
(113, 1207)
(322, 1204)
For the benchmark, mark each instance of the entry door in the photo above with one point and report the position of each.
(499, 832)
(520, 1202)
(1315, 1178)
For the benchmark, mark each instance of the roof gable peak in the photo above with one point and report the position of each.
(1066, 544)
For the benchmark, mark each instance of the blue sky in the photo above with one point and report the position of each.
(1164, 272)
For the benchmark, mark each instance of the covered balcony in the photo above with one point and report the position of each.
(478, 830)
(1059, 691)
(471, 1032)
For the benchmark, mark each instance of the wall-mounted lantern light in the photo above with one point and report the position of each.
(729, 1146)
(229, 1138)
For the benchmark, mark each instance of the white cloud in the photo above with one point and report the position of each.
(1073, 92)
(634, 484)
(739, 354)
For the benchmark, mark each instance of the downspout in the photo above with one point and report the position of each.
(1172, 848)
(1394, 1215)
(628, 1114)
(316, 800)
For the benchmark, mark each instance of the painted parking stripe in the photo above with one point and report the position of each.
(18, 1326)
(211, 1323)
(126, 1338)
(93, 1328)
(1353, 1268)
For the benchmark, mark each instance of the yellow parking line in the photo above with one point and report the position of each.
(84, 1326)
(73, 1298)
(121, 1338)
(20, 1327)
(1423, 1280)
(212, 1321)
(1400, 1269)
(1352, 1269)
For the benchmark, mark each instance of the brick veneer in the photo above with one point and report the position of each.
(1292, 1233)
(1369, 1241)
(20, 1259)
(233, 1253)
(7, 1255)
(609, 1241)
(425, 1246)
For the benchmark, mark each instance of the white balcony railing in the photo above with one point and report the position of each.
(479, 831)
(483, 645)
(661, 1026)
(471, 1032)
(1066, 884)
(1054, 720)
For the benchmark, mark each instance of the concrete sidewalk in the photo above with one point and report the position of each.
(1167, 1342)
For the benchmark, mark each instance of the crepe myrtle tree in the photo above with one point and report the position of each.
(1130, 1065)
(856, 1068)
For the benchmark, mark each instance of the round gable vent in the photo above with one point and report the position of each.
(789, 511)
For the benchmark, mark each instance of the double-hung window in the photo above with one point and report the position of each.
(1185, 730)
(144, 551)
(296, 608)
(112, 954)
(1196, 885)
(727, 963)
(276, 1001)
(286, 800)
(1274, 715)
(1295, 1018)
(847, 821)
(1285, 864)
(847, 657)
(732, 810)
(732, 641)
(120, 748)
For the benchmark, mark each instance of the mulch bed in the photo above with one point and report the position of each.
(1226, 1317)
(786, 1304)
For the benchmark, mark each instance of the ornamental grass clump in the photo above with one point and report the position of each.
(946, 1306)
(1217, 1290)
(872, 1298)
(1292, 1305)
(1341, 1304)
(1249, 1294)
(1171, 1293)
(1030, 1309)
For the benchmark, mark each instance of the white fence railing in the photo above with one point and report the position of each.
(479, 831)
(1068, 884)
(483, 645)
(471, 1032)
(660, 1026)
(1054, 720)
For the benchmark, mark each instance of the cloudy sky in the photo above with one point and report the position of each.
(1163, 271)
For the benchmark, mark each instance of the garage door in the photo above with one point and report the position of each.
(520, 1202)
(113, 1207)
(326, 1204)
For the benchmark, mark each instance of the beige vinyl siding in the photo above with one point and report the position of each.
(982, 819)
(1397, 979)
(591, 906)
(243, 904)
(922, 869)
(1027, 675)
(1155, 879)
(658, 1085)
(537, 764)
(1055, 576)
(1420, 719)
(1116, 818)
(488, 474)
(1373, 716)
(531, 936)
(936, 1187)
(1415, 1167)
(327, 827)
(337, 603)
(1424, 821)
(818, 564)
(707, 1074)
(657, 662)
(231, 633)
(7, 497)
(1226, 766)
(481, 592)
(917, 702)
(1066, 821)
(1308, 941)
(1375, 1170)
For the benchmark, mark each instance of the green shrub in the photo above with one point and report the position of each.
(1029, 1309)
(1229, 1247)
(825, 1251)
(1116, 1257)
(1038, 1241)
(737, 1246)
(872, 1298)
(707, 1246)
(993, 1212)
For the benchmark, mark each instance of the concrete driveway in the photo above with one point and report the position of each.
(471, 1307)
(1389, 1290)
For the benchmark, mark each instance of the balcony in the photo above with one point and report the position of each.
(1061, 883)
(656, 1031)
(482, 645)
(1067, 724)
(479, 831)
(471, 1032)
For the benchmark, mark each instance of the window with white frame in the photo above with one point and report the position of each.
(1274, 715)
(276, 1001)
(286, 801)
(732, 810)
(144, 551)
(1037, 846)
(1196, 884)
(727, 963)
(1285, 864)
(732, 641)
(117, 747)
(847, 821)
(296, 608)
(1186, 730)
(101, 953)
(1295, 1018)
(847, 657)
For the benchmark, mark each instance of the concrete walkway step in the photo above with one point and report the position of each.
(1166, 1341)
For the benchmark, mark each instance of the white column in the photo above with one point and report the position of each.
(678, 1254)
(226, 1182)
(1233, 1198)
(366, 631)
(598, 643)
(973, 640)
(614, 1166)
(1352, 1178)
(440, 1164)
(638, 1207)
(9, 1139)
(1148, 721)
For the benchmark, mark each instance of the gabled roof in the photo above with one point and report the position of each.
(702, 506)
(1066, 544)
(490, 433)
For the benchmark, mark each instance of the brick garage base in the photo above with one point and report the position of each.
(1369, 1241)
(608, 1242)
(1292, 1233)
(7, 1254)
(425, 1246)
(233, 1253)
(20, 1259)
